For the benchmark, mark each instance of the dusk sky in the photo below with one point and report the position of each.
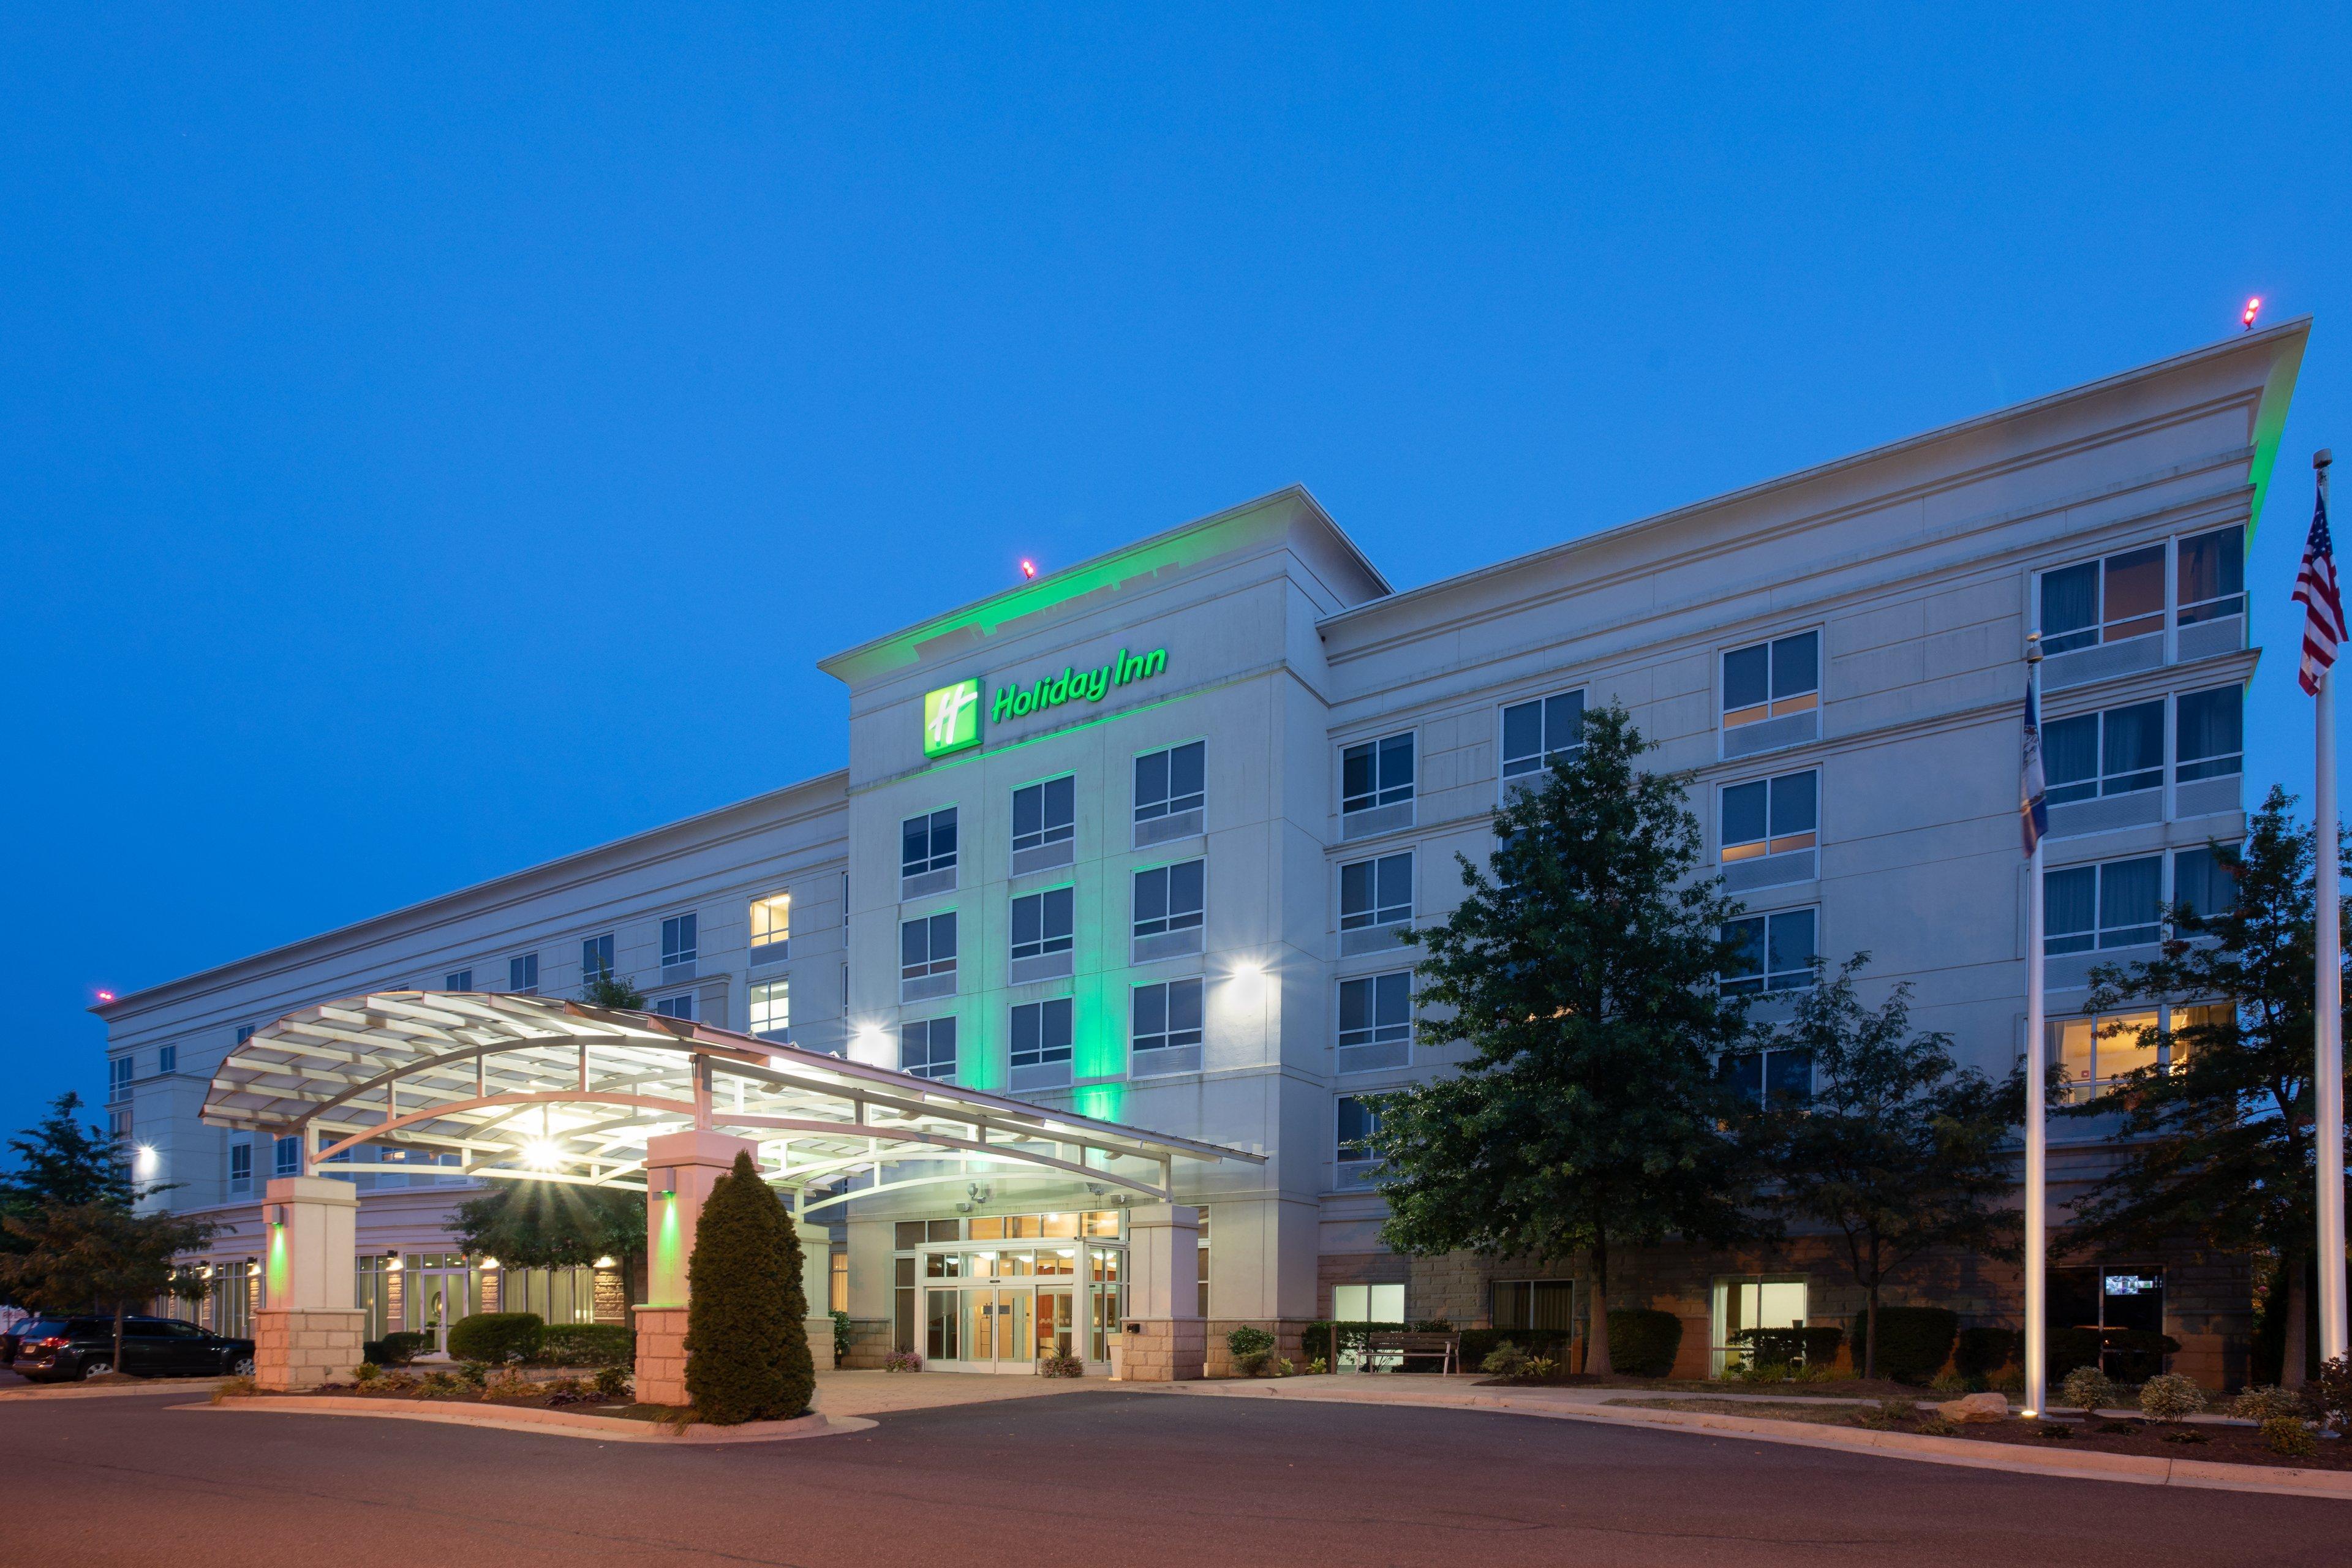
(434, 442)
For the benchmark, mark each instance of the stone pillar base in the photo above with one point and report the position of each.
(1163, 1349)
(661, 1355)
(819, 1339)
(294, 1348)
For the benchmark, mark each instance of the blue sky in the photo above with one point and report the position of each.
(434, 442)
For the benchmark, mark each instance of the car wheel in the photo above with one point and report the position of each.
(98, 1366)
(240, 1366)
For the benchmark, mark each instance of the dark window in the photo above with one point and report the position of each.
(1169, 897)
(1376, 773)
(168, 1059)
(2116, 752)
(1376, 1010)
(2211, 733)
(2202, 881)
(1358, 1122)
(288, 1157)
(2102, 601)
(1770, 816)
(1045, 812)
(927, 1050)
(522, 973)
(678, 942)
(1534, 1304)
(1165, 1016)
(1774, 953)
(1534, 733)
(2211, 579)
(1770, 680)
(1170, 780)
(2113, 905)
(457, 979)
(927, 843)
(1042, 922)
(926, 946)
(676, 1006)
(1781, 1077)
(1041, 1032)
(1376, 892)
(596, 959)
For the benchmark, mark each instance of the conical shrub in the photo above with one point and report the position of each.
(747, 1355)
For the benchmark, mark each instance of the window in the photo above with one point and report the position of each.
(2117, 904)
(2202, 881)
(243, 1033)
(1045, 812)
(1165, 1016)
(927, 843)
(2102, 601)
(596, 959)
(1042, 922)
(927, 1050)
(1378, 772)
(679, 1006)
(1041, 1032)
(2210, 578)
(168, 1059)
(1534, 1304)
(240, 1167)
(836, 1294)
(1774, 953)
(2209, 728)
(771, 1002)
(288, 1157)
(1358, 1122)
(1376, 892)
(2114, 753)
(118, 1078)
(678, 940)
(1770, 816)
(2099, 1049)
(1169, 897)
(1773, 679)
(772, 926)
(1534, 733)
(1782, 1077)
(926, 946)
(1376, 1010)
(1172, 781)
(522, 972)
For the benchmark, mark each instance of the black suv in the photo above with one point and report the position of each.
(62, 1350)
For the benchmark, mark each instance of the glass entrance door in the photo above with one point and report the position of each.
(440, 1303)
(986, 1327)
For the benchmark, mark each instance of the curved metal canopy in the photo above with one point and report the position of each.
(531, 1087)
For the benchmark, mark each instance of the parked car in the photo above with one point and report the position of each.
(64, 1350)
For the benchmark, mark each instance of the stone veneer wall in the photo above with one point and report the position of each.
(869, 1344)
(661, 1355)
(295, 1349)
(1165, 1350)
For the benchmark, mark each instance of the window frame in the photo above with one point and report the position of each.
(2063, 791)
(1341, 1143)
(1046, 939)
(1515, 765)
(1171, 804)
(1766, 1093)
(2182, 763)
(665, 1006)
(522, 973)
(596, 959)
(1804, 700)
(2103, 628)
(932, 966)
(1047, 831)
(1766, 974)
(1771, 843)
(1170, 919)
(1379, 915)
(759, 999)
(1378, 755)
(1046, 1051)
(2098, 930)
(457, 979)
(1376, 1032)
(2220, 606)
(167, 1060)
(680, 939)
(932, 858)
(931, 1068)
(1169, 1033)
(759, 925)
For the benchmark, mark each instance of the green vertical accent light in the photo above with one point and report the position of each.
(1103, 1101)
(275, 1287)
(669, 1269)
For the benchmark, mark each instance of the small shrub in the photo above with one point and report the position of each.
(2088, 1388)
(1060, 1366)
(2120, 1428)
(1788, 1347)
(508, 1384)
(2288, 1437)
(1540, 1369)
(586, 1344)
(1477, 1344)
(1318, 1367)
(1506, 1359)
(368, 1373)
(1913, 1341)
(395, 1349)
(1643, 1340)
(232, 1388)
(1284, 1367)
(1772, 1372)
(473, 1373)
(1823, 1373)
(611, 1382)
(1248, 1340)
(2333, 1393)
(439, 1385)
(1888, 1414)
(2266, 1404)
(2169, 1396)
(1952, 1384)
(400, 1382)
(498, 1338)
(2011, 1380)
(1937, 1426)
(903, 1361)
(840, 1337)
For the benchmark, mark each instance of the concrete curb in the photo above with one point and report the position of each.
(2205, 1474)
(108, 1391)
(546, 1423)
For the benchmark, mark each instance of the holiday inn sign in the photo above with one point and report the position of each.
(952, 714)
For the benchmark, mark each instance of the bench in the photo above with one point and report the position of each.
(1446, 1348)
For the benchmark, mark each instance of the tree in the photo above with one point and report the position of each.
(2220, 1148)
(59, 1160)
(747, 1352)
(606, 989)
(1898, 1150)
(1580, 970)
(100, 1257)
(557, 1225)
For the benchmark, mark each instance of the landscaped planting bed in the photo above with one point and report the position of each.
(505, 1390)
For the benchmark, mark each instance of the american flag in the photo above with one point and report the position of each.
(2314, 590)
(2032, 794)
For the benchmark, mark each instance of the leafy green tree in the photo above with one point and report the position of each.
(1580, 970)
(609, 989)
(1898, 1150)
(59, 1160)
(100, 1257)
(747, 1351)
(557, 1225)
(2221, 1148)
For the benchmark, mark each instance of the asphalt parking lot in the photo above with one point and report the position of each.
(1104, 1478)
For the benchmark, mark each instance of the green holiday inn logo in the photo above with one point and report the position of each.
(952, 714)
(952, 718)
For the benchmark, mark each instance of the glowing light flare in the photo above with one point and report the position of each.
(541, 1154)
(2253, 309)
(106, 996)
(1028, 570)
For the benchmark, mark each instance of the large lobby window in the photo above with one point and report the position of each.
(927, 957)
(2102, 601)
(927, 1049)
(1770, 816)
(1771, 679)
(2119, 752)
(1376, 773)
(1534, 733)
(772, 927)
(2117, 904)
(1774, 953)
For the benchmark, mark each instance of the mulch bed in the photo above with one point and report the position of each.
(1845, 1388)
(576, 1404)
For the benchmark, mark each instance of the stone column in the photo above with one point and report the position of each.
(1164, 1338)
(309, 1327)
(680, 1170)
(816, 1284)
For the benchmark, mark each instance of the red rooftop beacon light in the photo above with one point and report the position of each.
(2253, 309)
(106, 996)
(1028, 570)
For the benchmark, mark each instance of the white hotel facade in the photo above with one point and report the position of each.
(1148, 872)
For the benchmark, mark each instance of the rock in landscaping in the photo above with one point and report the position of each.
(1976, 1407)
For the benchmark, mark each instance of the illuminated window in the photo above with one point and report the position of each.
(2116, 752)
(1041, 1032)
(1044, 922)
(1770, 816)
(1534, 733)
(927, 1049)
(1774, 953)
(1045, 812)
(771, 1007)
(2102, 601)
(2100, 1049)
(836, 1295)
(1172, 781)
(771, 925)
(2117, 904)
(1376, 892)
(2210, 580)
(1376, 773)
(1772, 679)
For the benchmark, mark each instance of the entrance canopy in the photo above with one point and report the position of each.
(538, 1087)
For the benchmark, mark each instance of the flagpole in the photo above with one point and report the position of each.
(2328, 1006)
(2037, 1333)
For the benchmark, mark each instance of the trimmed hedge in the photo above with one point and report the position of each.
(587, 1345)
(1980, 1352)
(1785, 1347)
(747, 1349)
(1913, 1341)
(395, 1349)
(1642, 1341)
(496, 1339)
